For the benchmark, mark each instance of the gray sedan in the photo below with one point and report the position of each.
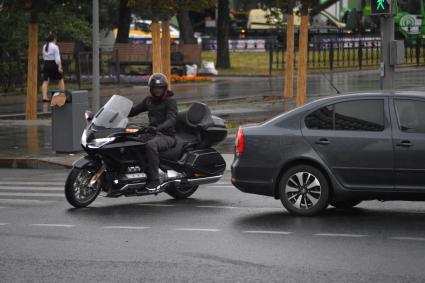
(338, 150)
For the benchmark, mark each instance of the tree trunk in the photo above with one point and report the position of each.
(302, 56)
(290, 42)
(223, 58)
(166, 51)
(156, 46)
(187, 35)
(31, 100)
(124, 21)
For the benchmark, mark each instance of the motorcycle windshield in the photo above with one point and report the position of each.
(114, 113)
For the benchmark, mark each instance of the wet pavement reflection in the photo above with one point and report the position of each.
(239, 88)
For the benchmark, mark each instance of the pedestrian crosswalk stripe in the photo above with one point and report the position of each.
(23, 201)
(20, 183)
(58, 189)
(31, 194)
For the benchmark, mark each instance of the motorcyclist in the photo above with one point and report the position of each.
(162, 113)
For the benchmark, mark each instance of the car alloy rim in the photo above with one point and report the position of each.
(303, 190)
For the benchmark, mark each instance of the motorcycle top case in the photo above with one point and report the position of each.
(205, 161)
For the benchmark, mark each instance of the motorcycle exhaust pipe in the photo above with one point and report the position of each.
(203, 181)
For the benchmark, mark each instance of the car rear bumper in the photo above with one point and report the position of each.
(247, 180)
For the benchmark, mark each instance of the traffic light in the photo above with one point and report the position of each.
(380, 7)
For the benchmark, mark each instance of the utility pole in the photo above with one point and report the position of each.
(387, 37)
(96, 67)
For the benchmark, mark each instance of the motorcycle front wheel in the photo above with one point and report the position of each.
(80, 190)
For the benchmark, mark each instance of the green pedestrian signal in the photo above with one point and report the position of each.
(380, 7)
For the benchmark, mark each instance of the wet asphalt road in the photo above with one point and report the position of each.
(220, 234)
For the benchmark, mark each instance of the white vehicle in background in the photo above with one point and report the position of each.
(141, 30)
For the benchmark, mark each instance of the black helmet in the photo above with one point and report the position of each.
(158, 85)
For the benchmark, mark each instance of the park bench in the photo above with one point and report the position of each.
(128, 54)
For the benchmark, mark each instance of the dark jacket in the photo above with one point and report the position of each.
(162, 113)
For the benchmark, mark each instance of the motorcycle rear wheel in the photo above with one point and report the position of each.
(78, 191)
(181, 192)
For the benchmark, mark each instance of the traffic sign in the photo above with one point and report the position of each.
(380, 7)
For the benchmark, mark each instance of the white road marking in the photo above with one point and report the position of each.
(408, 238)
(20, 183)
(24, 201)
(154, 204)
(340, 235)
(126, 227)
(57, 189)
(31, 194)
(197, 230)
(3, 224)
(53, 225)
(268, 232)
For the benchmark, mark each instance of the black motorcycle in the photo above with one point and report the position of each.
(114, 161)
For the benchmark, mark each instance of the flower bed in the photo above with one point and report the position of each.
(189, 79)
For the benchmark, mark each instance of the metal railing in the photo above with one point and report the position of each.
(343, 52)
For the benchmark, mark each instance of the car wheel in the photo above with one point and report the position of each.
(304, 190)
(345, 204)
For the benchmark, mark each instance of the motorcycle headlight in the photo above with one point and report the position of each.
(84, 139)
(96, 143)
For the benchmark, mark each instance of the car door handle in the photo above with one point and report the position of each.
(323, 141)
(405, 144)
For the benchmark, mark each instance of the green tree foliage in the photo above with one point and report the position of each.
(69, 20)
(169, 8)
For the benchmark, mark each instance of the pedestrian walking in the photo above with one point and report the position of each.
(52, 66)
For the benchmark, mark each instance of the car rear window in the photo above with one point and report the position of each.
(355, 115)
(321, 119)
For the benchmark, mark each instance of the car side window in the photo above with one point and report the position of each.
(360, 115)
(410, 115)
(321, 119)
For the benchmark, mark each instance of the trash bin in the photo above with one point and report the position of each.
(68, 122)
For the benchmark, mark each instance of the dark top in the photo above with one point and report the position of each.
(162, 113)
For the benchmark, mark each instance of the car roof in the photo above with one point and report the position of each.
(355, 95)
(368, 94)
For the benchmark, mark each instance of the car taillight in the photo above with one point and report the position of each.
(240, 143)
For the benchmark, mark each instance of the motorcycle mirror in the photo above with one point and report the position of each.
(88, 115)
